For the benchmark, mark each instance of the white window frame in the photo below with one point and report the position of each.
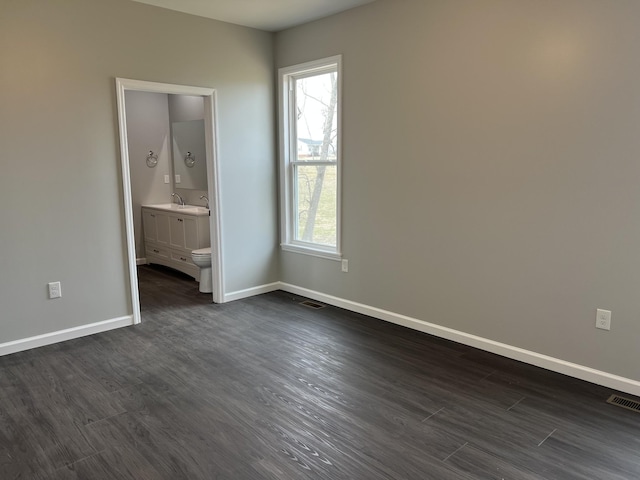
(288, 149)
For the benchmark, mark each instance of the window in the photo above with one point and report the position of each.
(310, 157)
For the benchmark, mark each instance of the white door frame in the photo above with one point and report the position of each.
(210, 122)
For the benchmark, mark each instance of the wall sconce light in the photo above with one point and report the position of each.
(189, 160)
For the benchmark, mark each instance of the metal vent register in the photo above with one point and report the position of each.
(624, 403)
(310, 304)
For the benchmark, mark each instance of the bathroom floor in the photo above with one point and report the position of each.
(161, 287)
(266, 388)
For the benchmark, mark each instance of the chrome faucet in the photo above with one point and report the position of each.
(206, 199)
(179, 198)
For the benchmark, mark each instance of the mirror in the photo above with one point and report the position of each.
(189, 155)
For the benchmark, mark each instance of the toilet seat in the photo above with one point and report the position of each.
(202, 252)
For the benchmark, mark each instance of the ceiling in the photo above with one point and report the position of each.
(270, 15)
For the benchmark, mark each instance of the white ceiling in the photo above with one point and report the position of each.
(270, 15)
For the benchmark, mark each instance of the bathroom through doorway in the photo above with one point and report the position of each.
(125, 88)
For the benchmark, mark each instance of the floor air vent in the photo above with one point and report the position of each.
(311, 304)
(624, 403)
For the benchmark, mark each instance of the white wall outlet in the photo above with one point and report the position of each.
(178, 179)
(603, 319)
(167, 179)
(345, 265)
(55, 290)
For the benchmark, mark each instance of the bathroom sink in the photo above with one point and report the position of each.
(174, 207)
(193, 209)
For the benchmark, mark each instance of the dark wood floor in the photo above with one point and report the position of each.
(265, 388)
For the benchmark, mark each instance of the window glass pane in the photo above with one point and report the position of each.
(316, 205)
(317, 117)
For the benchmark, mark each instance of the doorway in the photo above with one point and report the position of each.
(209, 99)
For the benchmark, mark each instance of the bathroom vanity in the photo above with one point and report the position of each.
(171, 232)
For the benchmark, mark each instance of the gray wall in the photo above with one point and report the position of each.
(490, 169)
(147, 129)
(183, 108)
(61, 182)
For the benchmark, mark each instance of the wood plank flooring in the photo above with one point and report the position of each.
(265, 388)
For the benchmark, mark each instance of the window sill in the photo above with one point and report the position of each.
(314, 252)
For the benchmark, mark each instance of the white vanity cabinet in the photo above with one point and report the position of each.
(184, 233)
(156, 226)
(172, 232)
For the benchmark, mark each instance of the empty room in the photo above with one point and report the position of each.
(320, 239)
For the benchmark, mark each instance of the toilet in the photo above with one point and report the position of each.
(202, 258)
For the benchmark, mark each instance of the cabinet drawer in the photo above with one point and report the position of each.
(155, 251)
(182, 258)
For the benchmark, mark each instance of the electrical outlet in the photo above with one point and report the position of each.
(178, 178)
(603, 319)
(55, 290)
(166, 179)
(345, 265)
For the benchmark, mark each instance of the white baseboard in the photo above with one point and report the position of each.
(141, 261)
(62, 335)
(550, 363)
(250, 292)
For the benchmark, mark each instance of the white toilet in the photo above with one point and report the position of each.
(202, 258)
